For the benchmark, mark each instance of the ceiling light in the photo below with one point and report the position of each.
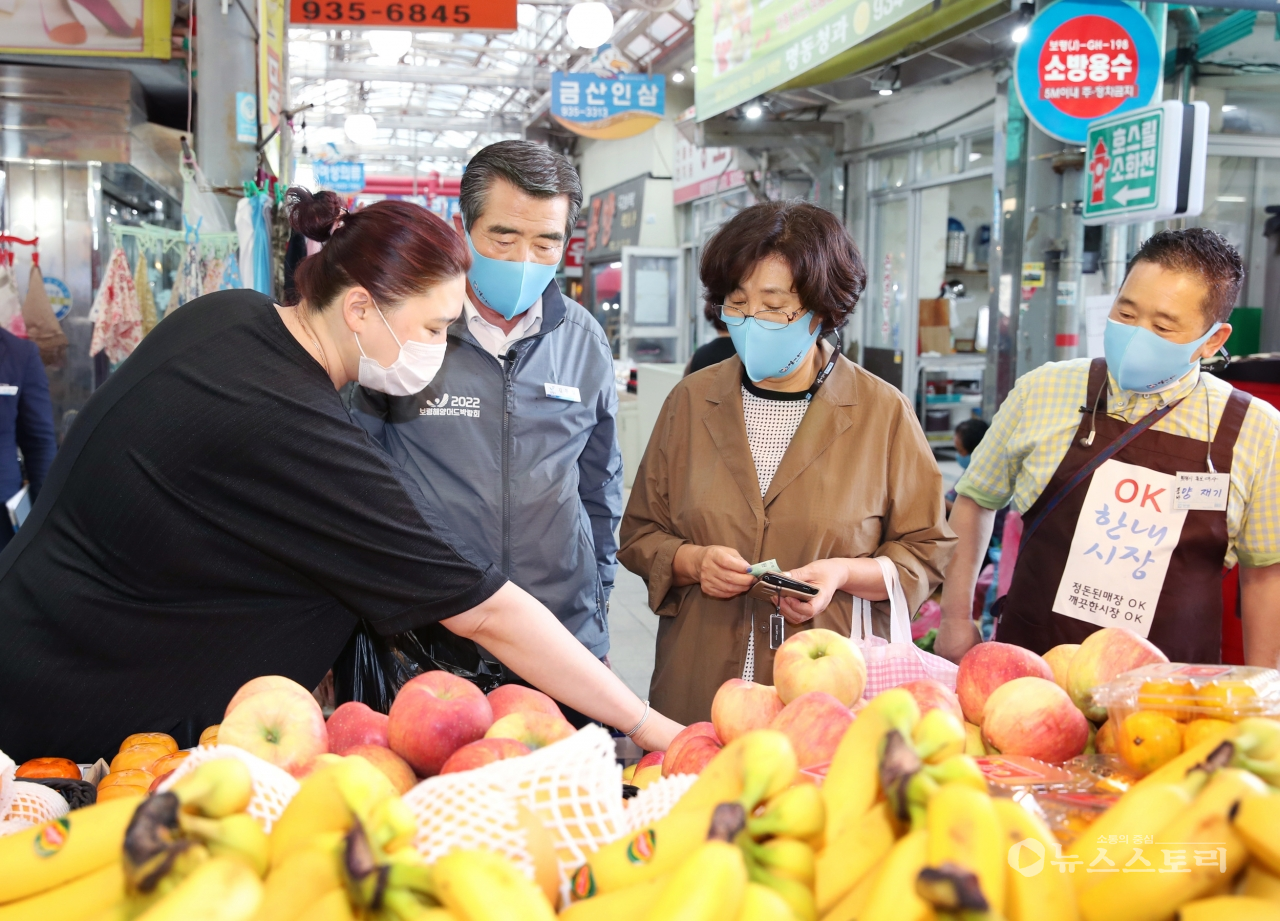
(1229, 108)
(589, 24)
(974, 156)
(887, 81)
(1026, 13)
(1232, 199)
(390, 45)
(693, 68)
(360, 128)
(753, 111)
(615, 265)
(677, 77)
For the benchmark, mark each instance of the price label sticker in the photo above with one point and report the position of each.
(1202, 492)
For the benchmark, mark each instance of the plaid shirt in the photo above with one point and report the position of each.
(1033, 429)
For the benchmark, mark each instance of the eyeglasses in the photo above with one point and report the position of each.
(767, 319)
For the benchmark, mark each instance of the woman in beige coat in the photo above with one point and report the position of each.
(787, 451)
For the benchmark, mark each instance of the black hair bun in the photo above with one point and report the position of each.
(313, 215)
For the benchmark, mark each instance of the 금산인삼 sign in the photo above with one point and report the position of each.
(1085, 60)
(339, 175)
(1147, 164)
(608, 108)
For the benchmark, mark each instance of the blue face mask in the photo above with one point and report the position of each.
(510, 288)
(773, 352)
(963, 460)
(1144, 362)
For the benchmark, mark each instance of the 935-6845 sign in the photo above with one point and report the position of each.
(471, 16)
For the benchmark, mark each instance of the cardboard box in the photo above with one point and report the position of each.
(935, 339)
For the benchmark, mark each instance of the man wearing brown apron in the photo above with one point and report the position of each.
(1139, 479)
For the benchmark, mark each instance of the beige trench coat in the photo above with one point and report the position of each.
(857, 480)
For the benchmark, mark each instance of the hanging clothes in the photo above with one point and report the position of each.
(231, 274)
(10, 303)
(262, 278)
(42, 323)
(212, 273)
(245, 226)
(146, 299)
(117, 326)
(189, 283)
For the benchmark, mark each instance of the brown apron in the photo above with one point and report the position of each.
(1187, 624)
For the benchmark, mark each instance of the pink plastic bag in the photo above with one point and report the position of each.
(898, 660)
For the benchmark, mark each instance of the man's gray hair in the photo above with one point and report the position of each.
(531, 167)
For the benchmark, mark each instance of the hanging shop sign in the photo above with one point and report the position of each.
(271, 73)
(702, 171)
(607, 108)
(59, 295)
(744, 49)
(472, 16)
(613, 219)
(1147, 165)
(246, 118)
(339, 175)
(123, 29)
(1085, 60)
(575, 253)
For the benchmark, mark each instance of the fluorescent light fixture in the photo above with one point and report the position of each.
(589, 24)
(390, 45)
(615, 265)
(753, 111)
(360, 128)
(1232, 199)
(677, 77)
(888, 81)
(974, 156)
(1229, 108)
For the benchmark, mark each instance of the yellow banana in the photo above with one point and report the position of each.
(1258, 823)
(893, 895)
(750, 769)
(332, 906)
(318, 807)
(403, 905)
(1046, 895)
(1260, 737)
(1230, 908)
(973, 744)
(484, 886)
(964, 831)
(1179, 767)
(786, 857)
(959, 768)
(1206, 822)
(848, 859)
(797, 812)
(220, 889)
(302, 879)
(709, 886)
(796, 894)
(239, 836)
(852, 783)
(630, 904)
(850, 907)
(760, 903)
(653, 851)
(40, 858)
(78, 900)
(938, 736)
(1260, 882)
(1141, 813)
(216, 789)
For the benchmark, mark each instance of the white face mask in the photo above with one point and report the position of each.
(411, 372)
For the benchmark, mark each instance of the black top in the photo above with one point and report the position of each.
(712, 353)
(214, 515)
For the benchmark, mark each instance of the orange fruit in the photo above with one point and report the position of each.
(139, 756)
(119, 791)
(1104, 741)
(168, 763)
(132, 777)
(1148, 740)
(48, 767)
(150, 738)
(1226, 700)
(210, 735)
(1198, 730)
(1172, 698)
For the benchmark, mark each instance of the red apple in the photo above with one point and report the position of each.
(682, 738)
(516, 698)
(1102, 656)
(485, 751)
(649, 769)
(355, 723)
(819, 660)
(279, 726)
(395, 768)
(987, 666)
(814, 722)
(536, 730)
(433, 716)
(931, 694)
(266, 683)
(740, 706)
(694, 755)
(1059, 659)
(1034, 717)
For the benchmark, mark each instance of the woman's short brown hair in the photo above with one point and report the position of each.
(827, 268)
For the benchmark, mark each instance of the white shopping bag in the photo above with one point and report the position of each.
(899, 660)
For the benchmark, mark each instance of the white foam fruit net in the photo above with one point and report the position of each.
(272, 787)
(656, 800)
(25, 804)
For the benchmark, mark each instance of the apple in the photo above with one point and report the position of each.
(740, 706)
(648, 769)
(694, 755)
(1059, 659)
(819, 660)
(280, 727)
(682, 738)
(931, 694)
(516, 698)
(265, 683)
(482, 752)
(395, 768)
(1034, 717)
(628, 772)
(434, 715)
(355, 723)
(987, 666)
(536, 730)
(814, 722)
(1102, 656)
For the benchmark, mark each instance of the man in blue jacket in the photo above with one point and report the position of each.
(515, 441)
(26, 422)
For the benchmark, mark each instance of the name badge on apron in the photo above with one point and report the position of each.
(8, 390)
(1121, 549)
(1202, 491)
(563, 392)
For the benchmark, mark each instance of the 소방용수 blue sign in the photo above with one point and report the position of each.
(607, 108)
(339, 175)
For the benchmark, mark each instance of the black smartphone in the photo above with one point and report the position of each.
(788, 586)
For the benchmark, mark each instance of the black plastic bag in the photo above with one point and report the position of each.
(373, 668)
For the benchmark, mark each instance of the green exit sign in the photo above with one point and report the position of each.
(1147, 164)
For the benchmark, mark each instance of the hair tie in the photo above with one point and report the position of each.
(339, 222)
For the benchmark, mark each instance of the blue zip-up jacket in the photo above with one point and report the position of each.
(533, 482)
(26, 421)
